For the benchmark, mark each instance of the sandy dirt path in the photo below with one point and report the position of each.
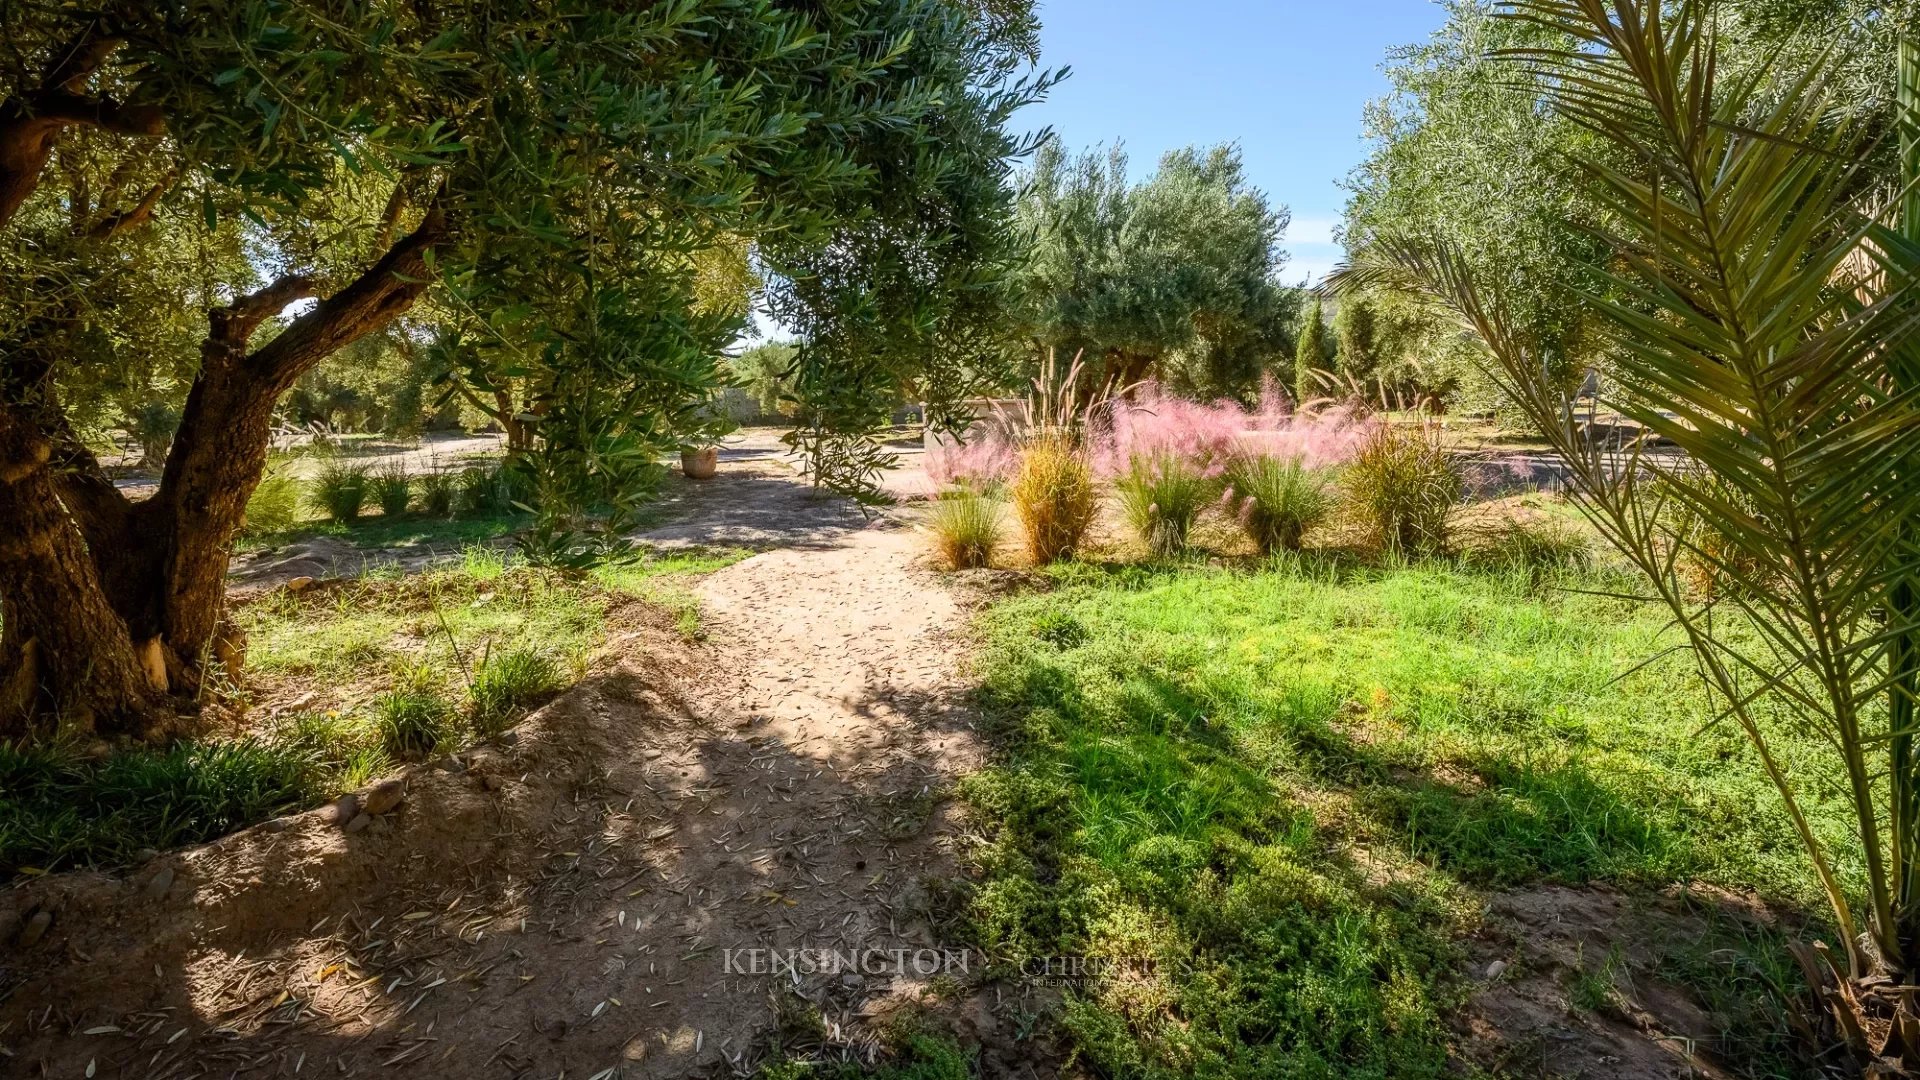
(614, 891)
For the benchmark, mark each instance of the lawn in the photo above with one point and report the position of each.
(1273, 799)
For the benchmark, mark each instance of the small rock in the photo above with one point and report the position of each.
(299, 584)
(851, 980)
(346, 808)
(160, 883)
(508, 738)
(279, 824)
(146, 854)
(450, 763)
(383, 797)
(490, 782)
(360, 822)
(35, 929)
(654, 753)
(1494, 969)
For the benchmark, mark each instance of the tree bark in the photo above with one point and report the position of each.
(107, 602)
(68, 652)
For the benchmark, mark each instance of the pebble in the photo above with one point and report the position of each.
(346, 808)
(490, 782)
(298, 584)
(279, 824)
(159, 884)
(35, 929)
(383, 798)
(359, 822)
(508, 738)
(145, 854)
(1494, 969)
(450, 763)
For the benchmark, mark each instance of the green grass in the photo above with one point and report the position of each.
(453, 618)
(1193, 760)
(398, 532)
(507, 683)
(60, 810)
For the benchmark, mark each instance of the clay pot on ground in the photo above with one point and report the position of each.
(700, 464)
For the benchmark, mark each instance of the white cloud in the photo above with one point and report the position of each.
(1311, 231)
(1311, 268)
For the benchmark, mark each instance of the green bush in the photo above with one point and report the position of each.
(965, 530)
(340, 490)
(393, 489)
(58, 810)
(507, 683)
(1277, 500)
(1162, 495)
(438, 489)
(1401, 488)
(274, 506)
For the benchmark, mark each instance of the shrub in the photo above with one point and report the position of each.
(412, 720)
(1052, 494)
(507, 683)
(1161, 496)
(1276, 500)
(392, 489)
(274, 506)
(340, 490)
(1402, 487)
(965, 529)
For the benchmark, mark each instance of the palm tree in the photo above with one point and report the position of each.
(1762, 308)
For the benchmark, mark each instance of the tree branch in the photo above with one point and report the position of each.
(127, 220)
(29, 124)
(232, 327)
(366, 306)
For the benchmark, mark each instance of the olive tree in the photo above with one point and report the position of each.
(546, 173)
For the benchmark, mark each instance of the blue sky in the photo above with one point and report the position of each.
(1286, 79)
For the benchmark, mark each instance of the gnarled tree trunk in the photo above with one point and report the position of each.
(110, 607)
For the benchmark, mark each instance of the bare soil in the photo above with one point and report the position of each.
(1536, 945)
(567, 901)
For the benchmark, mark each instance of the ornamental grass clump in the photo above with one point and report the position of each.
(1401, 488)
(438, 489)
(1052, 495)
(392, 488)
(966, 530)
(1276, 500)
(274, 506)
(340, 491)
(1162, 495)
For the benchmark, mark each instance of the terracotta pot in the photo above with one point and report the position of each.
(700, 464)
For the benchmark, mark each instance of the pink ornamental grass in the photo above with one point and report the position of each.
(1154, 424)
(988, 457)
